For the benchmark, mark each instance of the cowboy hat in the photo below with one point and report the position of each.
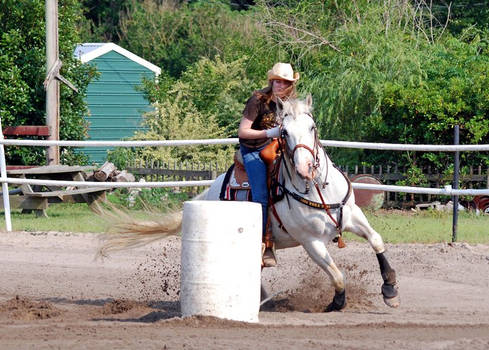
(283, 71)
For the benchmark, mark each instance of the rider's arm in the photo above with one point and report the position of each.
(249, 115)
(246, 132)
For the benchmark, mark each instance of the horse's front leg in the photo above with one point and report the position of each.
(359, 225)
(320, 255)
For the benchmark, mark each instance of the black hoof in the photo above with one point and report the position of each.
(389, 291)
(339, 302)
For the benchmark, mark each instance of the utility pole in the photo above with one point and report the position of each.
(52, 85)
(53, 77)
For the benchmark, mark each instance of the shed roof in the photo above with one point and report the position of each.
(89, 51)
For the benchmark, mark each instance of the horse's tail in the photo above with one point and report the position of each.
(131, 233)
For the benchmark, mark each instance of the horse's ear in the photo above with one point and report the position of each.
(309, 100)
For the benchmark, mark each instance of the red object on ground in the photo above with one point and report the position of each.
(368, 198)
(482, 203)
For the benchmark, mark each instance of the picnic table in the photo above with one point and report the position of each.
(38, 197)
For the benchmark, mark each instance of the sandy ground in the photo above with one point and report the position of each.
(53, 294)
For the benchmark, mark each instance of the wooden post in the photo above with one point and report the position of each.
(52, 89)
(487, 177)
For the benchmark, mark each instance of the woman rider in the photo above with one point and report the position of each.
(256, 129)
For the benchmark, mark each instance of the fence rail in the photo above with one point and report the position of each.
(169, 143)
(175, 171)
(478, 177)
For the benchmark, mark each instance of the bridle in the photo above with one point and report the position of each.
(314, 151)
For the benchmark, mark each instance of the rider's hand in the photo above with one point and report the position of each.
(273, 132)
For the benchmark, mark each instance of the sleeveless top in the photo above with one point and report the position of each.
(262, 111)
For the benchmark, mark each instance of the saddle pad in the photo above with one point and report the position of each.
(235, 186)
(239, 178)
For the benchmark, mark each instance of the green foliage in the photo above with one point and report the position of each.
(379, 73)
(175, 36)
(207, 99)
(414, 177)
(396, 71)
(463, 14)
(103, 18)
(453, 92)
(158, 199)
(23, 69)
(215, 88)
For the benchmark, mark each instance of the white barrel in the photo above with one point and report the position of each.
(221, 259)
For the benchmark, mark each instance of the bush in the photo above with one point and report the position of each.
(205, 103)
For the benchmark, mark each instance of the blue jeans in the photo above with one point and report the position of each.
(256, 170)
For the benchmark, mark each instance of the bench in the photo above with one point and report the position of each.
(38, 202)
(26, 130)
(38, 197)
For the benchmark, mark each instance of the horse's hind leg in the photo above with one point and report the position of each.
(320, 255)
(359, 225)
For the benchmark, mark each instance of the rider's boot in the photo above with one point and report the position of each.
(268, 252)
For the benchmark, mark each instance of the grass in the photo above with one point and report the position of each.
(61, 217)
(394, 226)
(66, 217)
(427, 226)
(77, 217)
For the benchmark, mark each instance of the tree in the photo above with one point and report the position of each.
(22, 72)
(387, 71)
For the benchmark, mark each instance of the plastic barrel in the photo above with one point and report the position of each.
(221, 260)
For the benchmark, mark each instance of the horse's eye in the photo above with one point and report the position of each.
(284, 133)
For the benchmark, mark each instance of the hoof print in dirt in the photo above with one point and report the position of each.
(20, 308)
(120, 306)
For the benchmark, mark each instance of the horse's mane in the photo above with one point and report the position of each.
(296, 107)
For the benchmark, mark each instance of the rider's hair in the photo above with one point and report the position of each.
(266, 94)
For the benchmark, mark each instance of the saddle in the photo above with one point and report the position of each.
(236, 186)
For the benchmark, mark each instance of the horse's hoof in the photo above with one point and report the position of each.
(338, 303)
(393, 302)
(391, 295)
(389, 291)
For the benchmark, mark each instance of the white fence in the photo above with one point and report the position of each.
(447, 190)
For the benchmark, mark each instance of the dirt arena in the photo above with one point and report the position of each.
(53, 294)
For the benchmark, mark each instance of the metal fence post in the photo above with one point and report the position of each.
(5, 193)
(456, 166)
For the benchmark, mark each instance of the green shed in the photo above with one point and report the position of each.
(115, 105)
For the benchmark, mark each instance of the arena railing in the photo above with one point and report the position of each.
(447, 190)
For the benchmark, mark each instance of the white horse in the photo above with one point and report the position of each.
(318, 203)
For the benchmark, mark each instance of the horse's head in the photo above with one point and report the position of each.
(299, 136)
